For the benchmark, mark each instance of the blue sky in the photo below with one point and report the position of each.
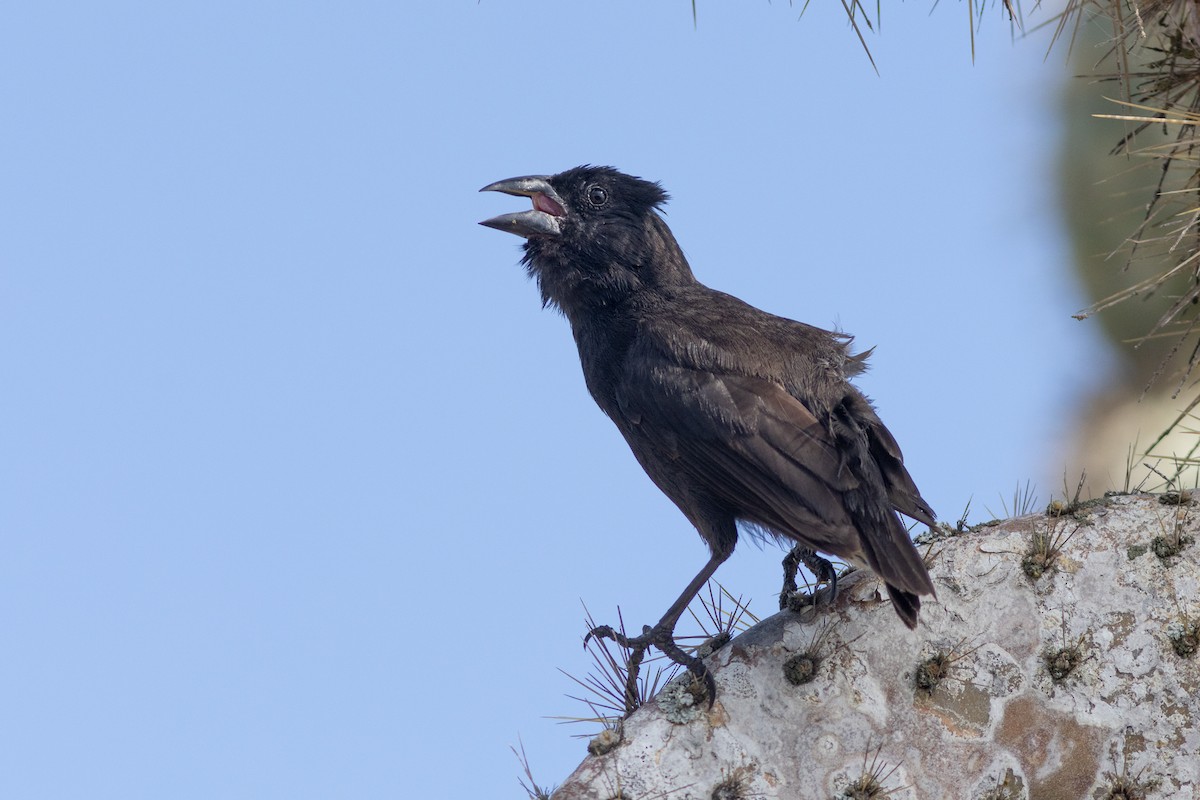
(300, 489)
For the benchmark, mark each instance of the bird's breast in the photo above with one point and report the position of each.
(603, 350)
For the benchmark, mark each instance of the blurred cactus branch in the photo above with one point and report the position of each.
(1152, 52)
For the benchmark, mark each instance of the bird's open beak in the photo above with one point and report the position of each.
(542, 220)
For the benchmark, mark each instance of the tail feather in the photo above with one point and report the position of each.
(907, 605)
(892, 555)
(895, 559)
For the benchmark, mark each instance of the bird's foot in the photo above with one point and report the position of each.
(792, 597)
(661, 637)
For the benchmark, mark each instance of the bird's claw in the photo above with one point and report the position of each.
(662, 638)
(791, 597)
(599, 632)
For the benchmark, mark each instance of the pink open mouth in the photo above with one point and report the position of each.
(547, 206)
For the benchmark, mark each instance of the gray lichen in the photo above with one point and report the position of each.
(682, 700)
(1167, 546)
(1184, 636)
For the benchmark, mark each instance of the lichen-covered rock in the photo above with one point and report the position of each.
(1074, 682)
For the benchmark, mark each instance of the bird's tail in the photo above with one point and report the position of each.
(893, 556)
(907, 605)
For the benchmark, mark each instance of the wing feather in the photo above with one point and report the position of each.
(766, 457)
(753, 446)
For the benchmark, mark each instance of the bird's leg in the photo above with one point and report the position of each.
(632, 668)
(822, 569)
(662, 636)
(791, 565)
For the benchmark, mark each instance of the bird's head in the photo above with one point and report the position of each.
(593, 235)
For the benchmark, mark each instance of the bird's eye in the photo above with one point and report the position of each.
(597, 195)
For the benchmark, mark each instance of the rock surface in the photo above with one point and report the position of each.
(1073, 684)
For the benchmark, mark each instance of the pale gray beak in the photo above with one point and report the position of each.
(542, 219)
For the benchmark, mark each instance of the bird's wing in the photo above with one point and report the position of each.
(748, 443)
(902, 491)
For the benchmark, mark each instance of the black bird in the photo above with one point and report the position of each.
(737, 415)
